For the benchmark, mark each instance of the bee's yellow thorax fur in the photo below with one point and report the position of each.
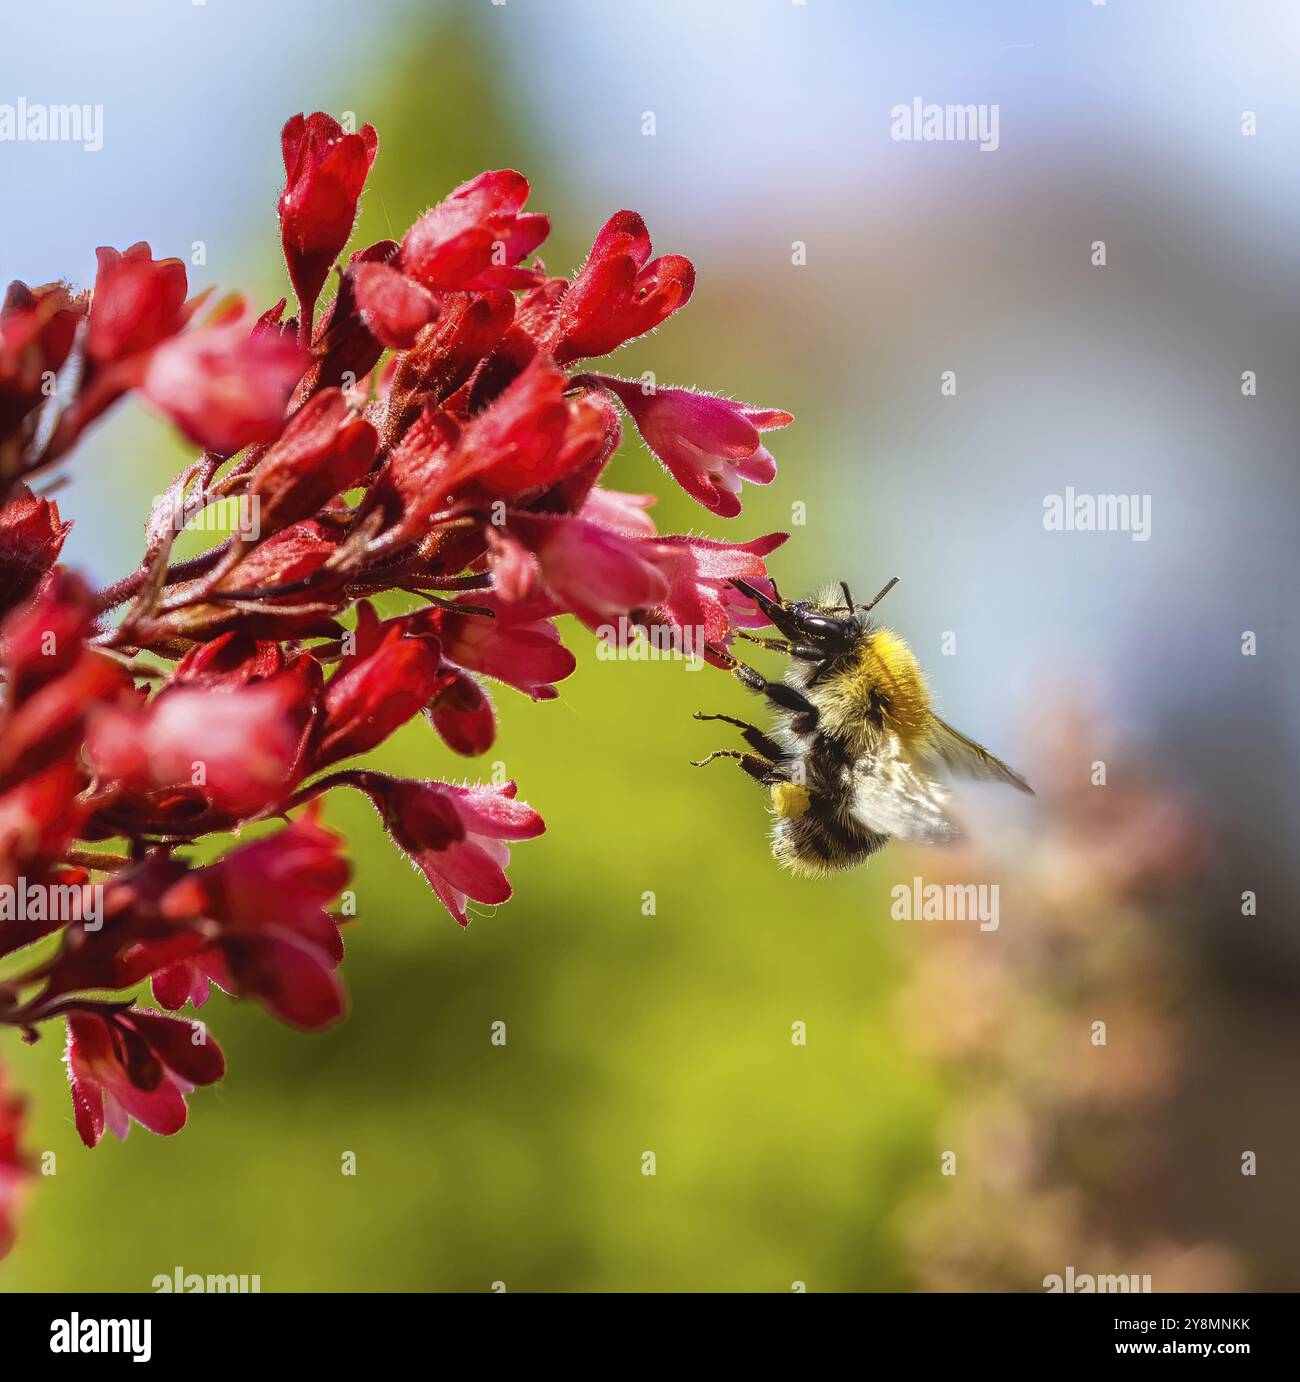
(884, 676)
(888, 667)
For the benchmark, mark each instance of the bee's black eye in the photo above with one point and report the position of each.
(824, 630)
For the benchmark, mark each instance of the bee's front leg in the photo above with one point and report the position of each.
(805, 652)
(782, 696)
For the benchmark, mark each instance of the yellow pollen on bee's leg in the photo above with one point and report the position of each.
(789, 800)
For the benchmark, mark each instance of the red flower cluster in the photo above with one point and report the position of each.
(424, 433)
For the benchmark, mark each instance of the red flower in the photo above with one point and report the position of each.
(31, 537)
(468, 328)
(188, 699)
(344, 349)
(51, 678)
(394, 308)
(456, 835)
(325, 170)
(136, 1064)
(14, 1165)
(325, 449)
(473, 239)
(463, 716)
(139, 301)
(230, 660)
(37, 328)
(709, 444)
(224, 386)
(410, 487)
(531, 437)
(274, 940)
(43, 638)
(49, 723)
(39, 819)
(300, 563)
(391, 677)
(617, 295)
(295, 555)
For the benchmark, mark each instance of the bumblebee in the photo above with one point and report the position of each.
(858, 756)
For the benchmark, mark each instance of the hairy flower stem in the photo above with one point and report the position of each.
(121, 591)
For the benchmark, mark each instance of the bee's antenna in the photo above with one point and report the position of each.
(848, 598)
(893, 581)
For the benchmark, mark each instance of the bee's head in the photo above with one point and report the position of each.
(825, 624)
(832, 623)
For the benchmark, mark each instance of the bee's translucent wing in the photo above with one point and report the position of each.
(963, 757)
(895, 797)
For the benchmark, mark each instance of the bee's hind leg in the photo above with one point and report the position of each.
(757, 768)
(790, 799)
(751, 734)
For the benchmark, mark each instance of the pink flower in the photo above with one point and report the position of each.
(619, 512)
(136, 1064)
(237, 749)
(700, 594)
(274, 941)
(456, 835)
(224, 386)
(520, 645)
(709, 444)
(592, 572)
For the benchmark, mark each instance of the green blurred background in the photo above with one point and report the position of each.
(626, 1033)
(670, 1033)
